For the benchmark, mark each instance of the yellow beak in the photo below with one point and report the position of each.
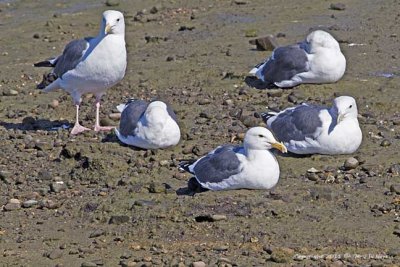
(280, 146)
(107, 30)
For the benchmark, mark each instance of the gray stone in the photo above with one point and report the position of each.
(112, 3)
(58, 186)
(395, 188)
(29, 203)
(267, 43)
(55, 254)
(119, 219)
(88, 264)
(338, 6)
(350, 163)
(198, 264)
(97, 233)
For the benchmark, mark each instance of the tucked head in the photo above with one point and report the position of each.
(321, 39)
(346, 107)
(260, 138)
(112, 22)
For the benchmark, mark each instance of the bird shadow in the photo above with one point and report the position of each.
(32, 124)
(193, 187)
(292, 155)
(254, 82)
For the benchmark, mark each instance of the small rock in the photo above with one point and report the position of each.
(126, 263)
(210, 218)
(119, 219)
(186, 28)
(338, 6)
(350, 163)
(394, 170)
(240, 2)
(13, 204)
(10, 92)
(97, 233)
(267, 43)
(49, 204)
(322, 193)
(275, 92)
(29, 203)
(88, 264)
(36, 35)
(5, 176)
(204, 101)
(55, 254)
(395, 252)
(58, 186)
(395, 188)
(112, 3)
(282, 255)
(54, 103)
(198, 264)
(228, 102)
(115, 116)
(385, 143)
(396, 232)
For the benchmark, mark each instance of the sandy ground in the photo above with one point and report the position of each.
(91, 201)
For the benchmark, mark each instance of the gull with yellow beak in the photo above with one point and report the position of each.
(250, 166)
(89, 65)
(308, 129)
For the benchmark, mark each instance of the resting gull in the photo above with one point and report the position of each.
(90, 65)
(148, 125)
(308, 129)
(250, 166)
(317, 59)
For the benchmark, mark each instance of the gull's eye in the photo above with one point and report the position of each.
(350, 106)
(260, 135)
(118, 20)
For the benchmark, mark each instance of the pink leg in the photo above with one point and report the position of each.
(77, 127)
(97, 126)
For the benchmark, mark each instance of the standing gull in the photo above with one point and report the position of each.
(317, 59)
(148, 125)
(250, 166)
(90, 65)
(308, 129)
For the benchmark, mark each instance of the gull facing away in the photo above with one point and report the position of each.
(89, 65)
(250, 166)
(308, 129)
(148, 125)
(317, 59)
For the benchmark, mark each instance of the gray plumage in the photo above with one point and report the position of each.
(218, 166)
(133, 112)
(131, 115)
(295, 124)
(284, 63)
(73, 54)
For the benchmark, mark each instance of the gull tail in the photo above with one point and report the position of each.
(185, 165)
(257, 70)
(50, 63)
(267, 115)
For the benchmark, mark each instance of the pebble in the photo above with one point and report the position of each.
(13, 204)
(54, 103)
(350, 163)
(115, 116)
(275, 92)
(338, 6)
(10, 92)
(320, 193)
(112, 3)
(198, 264)
(58, 186)
(394, 170)
(385, 143)
(282, 255)
(395, 188)
(29, 203)
(49, 204)
(97, 233)
(204, 101)
(125, 263)
(55, 254)
(267, 43)
(88, 264)
(119, 219)
(211, 218)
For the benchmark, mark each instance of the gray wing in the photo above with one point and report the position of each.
(297, 124)
(218, 165)
(284, 63)
(131, 115)
(71, 56)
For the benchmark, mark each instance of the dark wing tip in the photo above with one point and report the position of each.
(266, 115)
(184, 165)
(47, 79)
(45, 63)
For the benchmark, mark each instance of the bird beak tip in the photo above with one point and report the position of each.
(280, 146)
